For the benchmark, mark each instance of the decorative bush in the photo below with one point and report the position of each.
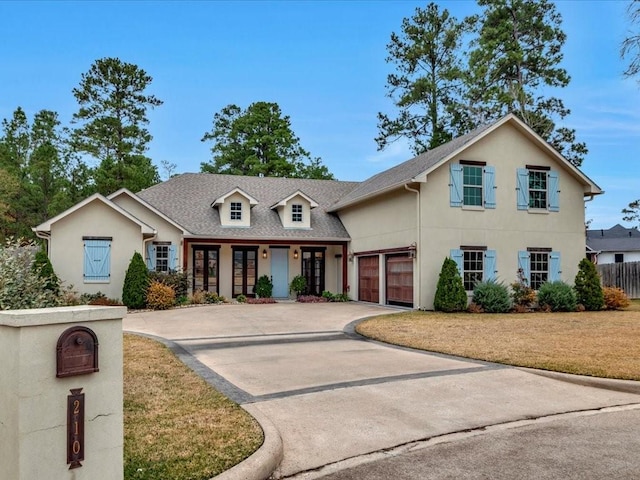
(136, 283)
(241, 299)
(522, 295)
(179, 281)
(101, 299)
(328, 295)
(341, 297)
(298, 285)
(20, 286)
(557, 297)
(311, 299)
(615, 298)
(198, 297)
(211, 297)
(160, 296)
(450, 293)
(587, 285)
(260, 300)
(264, 287)
(492, 297)
(42, 266)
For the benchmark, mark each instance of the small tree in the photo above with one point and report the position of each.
(43, 268)
(298, 285)
(136, 283)
(450, 293)
(264, 287)
(588, 287)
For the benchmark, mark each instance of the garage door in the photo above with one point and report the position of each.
(400, 280)
(368, 279)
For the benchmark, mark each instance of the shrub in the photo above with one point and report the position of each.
(136, 283)
(211, 297)
(101, 299)
(492, 296)
(450, 293)
(298, 285)
(615, 298)
(328, 295)
(260, 300)
(241, 298)
(160, 296)
(588, 287)
(20, 286)
(311, 299)
(198, 297)
(43, 268)
(264, 287)
(179, 281)
(557, 297)
(522, 295)
(341, 297)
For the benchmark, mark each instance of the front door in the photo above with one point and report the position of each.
(313, 269)
(245, 270)
(205, 268)
(280, 272)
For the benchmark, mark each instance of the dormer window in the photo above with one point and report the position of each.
(296, 212)
(236, 211)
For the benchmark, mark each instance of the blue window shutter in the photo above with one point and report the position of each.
(173, 257)
(555, 273)
(523, 264)
(151, 256)
(554, 192)
(97, 260)
(489, 187)
(455, 187)
(522, 188)
(457, 256)
(489, 265)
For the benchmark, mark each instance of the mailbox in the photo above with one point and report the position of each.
(77, 352)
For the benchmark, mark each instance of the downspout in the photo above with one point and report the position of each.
(46, 237)
(419, 242)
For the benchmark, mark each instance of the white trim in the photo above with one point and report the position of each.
(220, 200)
(284, 201)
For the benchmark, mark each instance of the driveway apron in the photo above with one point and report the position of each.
(333, 395)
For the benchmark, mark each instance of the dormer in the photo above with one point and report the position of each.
(234, 208)
(295, 210)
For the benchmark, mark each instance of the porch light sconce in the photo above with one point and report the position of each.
(412, 250)
(350, 256)
(264, 253)
(295, 254)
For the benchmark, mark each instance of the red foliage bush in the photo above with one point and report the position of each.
(311, 299)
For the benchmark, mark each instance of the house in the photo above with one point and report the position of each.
(495, 200)
(615, 245)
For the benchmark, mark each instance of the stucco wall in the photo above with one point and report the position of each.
(95, 219)
(225, 211)
(286, 215)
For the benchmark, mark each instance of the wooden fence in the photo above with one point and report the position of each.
(623, 275)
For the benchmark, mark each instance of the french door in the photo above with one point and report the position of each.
(313, 269)
(205, 268)
(245, 270)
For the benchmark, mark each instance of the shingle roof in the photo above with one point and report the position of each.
(404, 172)
(615, 239)
(187, 200)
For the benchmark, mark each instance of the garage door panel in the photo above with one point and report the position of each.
(369, 279)
(399, 280)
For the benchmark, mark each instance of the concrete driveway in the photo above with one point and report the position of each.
(335, 398)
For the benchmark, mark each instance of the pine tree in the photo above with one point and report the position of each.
(588, 287)
(136, 283)
(450, 293)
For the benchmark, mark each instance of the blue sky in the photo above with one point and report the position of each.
(323, 62)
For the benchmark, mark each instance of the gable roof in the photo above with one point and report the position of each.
(417, 168)
(283, 202)
(615, 239)
(187, 199)
(221, 199)
(46, 226)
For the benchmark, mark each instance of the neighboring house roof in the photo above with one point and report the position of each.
(615, 239)
(417, 169)
(45, 227)
(187, 199)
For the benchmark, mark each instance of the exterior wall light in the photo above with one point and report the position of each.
(264, 253)
(295, 254)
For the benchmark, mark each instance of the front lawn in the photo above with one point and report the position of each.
(603, 344)
(175, 425)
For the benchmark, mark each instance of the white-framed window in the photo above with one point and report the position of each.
(538, 189)
(472, 184)
(236, 210)
(539, 265)
(162, 257)
(296, 212)
(475, 264)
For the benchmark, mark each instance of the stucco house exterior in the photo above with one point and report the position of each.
(495, 200)
(614, 245)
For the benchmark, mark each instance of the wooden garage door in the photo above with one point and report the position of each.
(400, 280)
(368, 279)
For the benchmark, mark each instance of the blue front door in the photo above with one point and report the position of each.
(280, 272)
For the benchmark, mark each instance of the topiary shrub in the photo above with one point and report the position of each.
(42, 266)
(160, 296)
(557, 297)
(264, 287)
(298, 285)
(588, 287)
(492, 297)
(136, 283)
(450, 293)
(615, 298)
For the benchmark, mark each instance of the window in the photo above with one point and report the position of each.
(472, 184)
(619, 258)
(236, 211)
(475, 264)
(97, 259)
(538, 189)
(296, 212)
(539, 265)
(162, 257)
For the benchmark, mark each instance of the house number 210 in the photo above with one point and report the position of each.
(75, 428)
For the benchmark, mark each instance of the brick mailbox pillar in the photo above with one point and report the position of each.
(61, 393)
